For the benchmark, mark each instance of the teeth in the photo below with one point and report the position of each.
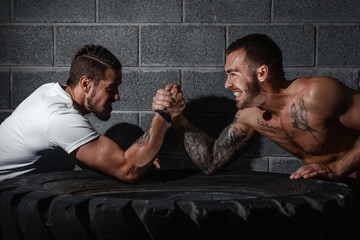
(237, 94)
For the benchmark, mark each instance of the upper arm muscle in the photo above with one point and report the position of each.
(102, 154)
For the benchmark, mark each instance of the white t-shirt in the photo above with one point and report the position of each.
(44, 122)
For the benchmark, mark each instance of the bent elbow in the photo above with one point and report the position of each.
(210, 170)
(131, 179)
(128, 174)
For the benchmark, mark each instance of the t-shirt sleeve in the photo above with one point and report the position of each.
(70, 131)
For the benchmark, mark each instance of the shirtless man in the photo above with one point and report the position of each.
(316, 119)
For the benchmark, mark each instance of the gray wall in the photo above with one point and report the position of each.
(175, 41)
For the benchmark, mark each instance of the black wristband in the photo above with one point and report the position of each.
(164, 115)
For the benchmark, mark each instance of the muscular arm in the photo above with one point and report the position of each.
(335, 101)
(213, 154)
(130, 165)
(350, 161)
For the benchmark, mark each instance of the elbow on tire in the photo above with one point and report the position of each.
(128, 174)
(210, 170)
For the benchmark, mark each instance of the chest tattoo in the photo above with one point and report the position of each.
(299, 115)
(272, 132)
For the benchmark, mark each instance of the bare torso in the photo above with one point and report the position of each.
(297, 128)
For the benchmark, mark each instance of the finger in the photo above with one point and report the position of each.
(163, 92)
(178, 96)
(322, 173)
(300, 172)
(175, 89)
(165, 101)
(310, 172)
(296, 174)
(156, 163)
(169, 87)
(155, 107)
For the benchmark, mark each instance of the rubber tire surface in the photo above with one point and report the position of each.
(175, 204)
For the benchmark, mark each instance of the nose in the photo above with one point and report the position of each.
(117, 97)
(228, 83)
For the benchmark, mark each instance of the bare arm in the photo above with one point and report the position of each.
(211, 155)
(130, 165)
(342, 104)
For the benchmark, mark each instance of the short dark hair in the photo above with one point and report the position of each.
(92, 61)
(260, 49)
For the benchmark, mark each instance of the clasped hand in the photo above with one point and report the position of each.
(169, 99)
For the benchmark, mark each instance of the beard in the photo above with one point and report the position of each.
(252, 90)
(103, 115)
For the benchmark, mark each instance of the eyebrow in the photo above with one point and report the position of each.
(115, 84)
(231, 70)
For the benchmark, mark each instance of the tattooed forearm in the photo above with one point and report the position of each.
(211, 155)
(300, 118)
(198, 146)
(231, 142)
(145, 138)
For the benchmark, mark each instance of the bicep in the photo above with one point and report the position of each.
(102, 154)
(335, 101)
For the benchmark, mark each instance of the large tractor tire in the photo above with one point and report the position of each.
(175, 204)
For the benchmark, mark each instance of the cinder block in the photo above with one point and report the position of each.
(139, 87)
(204, 91)
(25, 45)
(5, 90)
(182, 46)
(227, 11)
(349, 77)
(26, 82)
(296, 42)
(54, 11)
(5, 13)
(121, 41)
(117, 126)
(330, 11)
(338, 46)
(284, 165)
(139, 11)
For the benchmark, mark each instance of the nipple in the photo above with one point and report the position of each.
(267, 116)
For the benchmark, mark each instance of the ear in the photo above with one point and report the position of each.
(262, 73)
(85, 83)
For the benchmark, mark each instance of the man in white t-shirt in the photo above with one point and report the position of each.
(52, 120)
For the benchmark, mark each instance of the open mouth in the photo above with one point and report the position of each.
(237, 94)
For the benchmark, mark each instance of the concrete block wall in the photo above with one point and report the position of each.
(175, 41)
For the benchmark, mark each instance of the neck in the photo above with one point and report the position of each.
(76, 100)
(274, 97)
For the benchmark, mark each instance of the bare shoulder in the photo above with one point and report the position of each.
(324, 94)
(247, 116)
(318, 84)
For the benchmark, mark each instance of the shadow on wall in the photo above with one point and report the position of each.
(210, 114)
(124, 134)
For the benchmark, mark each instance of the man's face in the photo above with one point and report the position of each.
(241, 80)
(100, 97)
